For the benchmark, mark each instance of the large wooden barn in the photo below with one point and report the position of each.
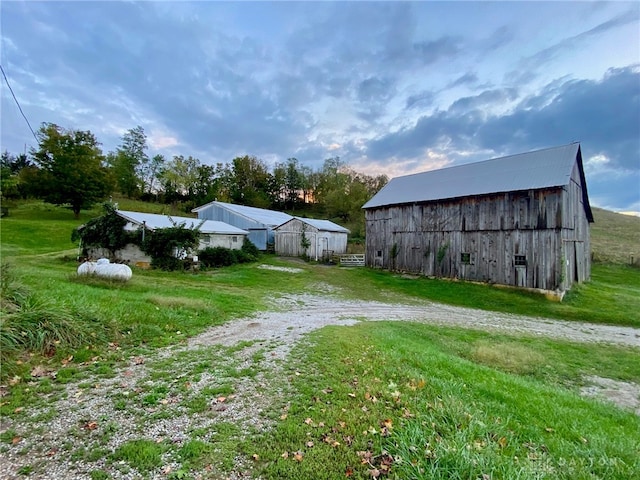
(521, 220)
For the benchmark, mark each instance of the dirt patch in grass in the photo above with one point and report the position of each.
(623, 394)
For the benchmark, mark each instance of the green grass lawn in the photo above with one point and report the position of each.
(412, 401)
(376, 400)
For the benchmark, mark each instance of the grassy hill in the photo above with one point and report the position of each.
(615, 238)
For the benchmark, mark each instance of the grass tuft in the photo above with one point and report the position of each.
(517, 358)
(142, 454)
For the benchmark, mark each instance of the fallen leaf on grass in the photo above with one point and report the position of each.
(348, 472)
(91, 425)
(298, 456)
(66, 361)
(39, 371)
(285, 455)
(16, 440)
(255, 457)
(502, 442)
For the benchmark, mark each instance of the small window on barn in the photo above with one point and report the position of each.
(465, 258)
(379, 253)
(206, 238)
(521, 261)
(234, 239)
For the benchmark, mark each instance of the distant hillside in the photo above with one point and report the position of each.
(615, 237)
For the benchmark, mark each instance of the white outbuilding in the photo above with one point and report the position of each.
(212, 233)
(322, 238)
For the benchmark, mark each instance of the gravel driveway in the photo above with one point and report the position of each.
(271, 334)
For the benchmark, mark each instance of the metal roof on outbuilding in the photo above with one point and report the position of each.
(321, 225)
(551, 167)
(154, 221)
(269, 218)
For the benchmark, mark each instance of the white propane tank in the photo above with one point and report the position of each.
(87, 268)
(102, 268)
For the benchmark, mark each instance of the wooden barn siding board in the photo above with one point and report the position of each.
(493, 229)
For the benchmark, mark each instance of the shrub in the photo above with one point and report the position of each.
(249, 248)
(244, 257)
(213, 257)
(168, 247)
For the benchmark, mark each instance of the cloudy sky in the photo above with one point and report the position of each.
(391, 88)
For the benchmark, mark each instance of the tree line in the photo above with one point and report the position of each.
(69, 168)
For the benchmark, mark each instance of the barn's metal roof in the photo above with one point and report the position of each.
(546, 168)
(270, 218)
(322, 225)
(153, 221)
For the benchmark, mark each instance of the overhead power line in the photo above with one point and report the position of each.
(18, 103)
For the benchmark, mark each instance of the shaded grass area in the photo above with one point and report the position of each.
(398, 401)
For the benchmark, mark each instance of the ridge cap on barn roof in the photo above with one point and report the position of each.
(547, 167)
(320, 224)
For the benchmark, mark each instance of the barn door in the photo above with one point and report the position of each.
(579, 262)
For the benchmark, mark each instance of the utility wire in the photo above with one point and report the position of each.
(18, 103)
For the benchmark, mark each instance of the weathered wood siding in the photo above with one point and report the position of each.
(289, 235)
(576, 244)
(516, 238)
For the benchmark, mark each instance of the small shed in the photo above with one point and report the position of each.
(323, 237)
(212, 233)
(521, 220)
(259, 222)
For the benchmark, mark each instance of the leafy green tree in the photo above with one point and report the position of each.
(179, 178)
(13, 173)
(130, 161)
(71, 167)
(249, 182)
(150, 172)
(207, 185)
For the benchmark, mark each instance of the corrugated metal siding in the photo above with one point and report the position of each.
(261, 216)
(260, 233)
(533, 170)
